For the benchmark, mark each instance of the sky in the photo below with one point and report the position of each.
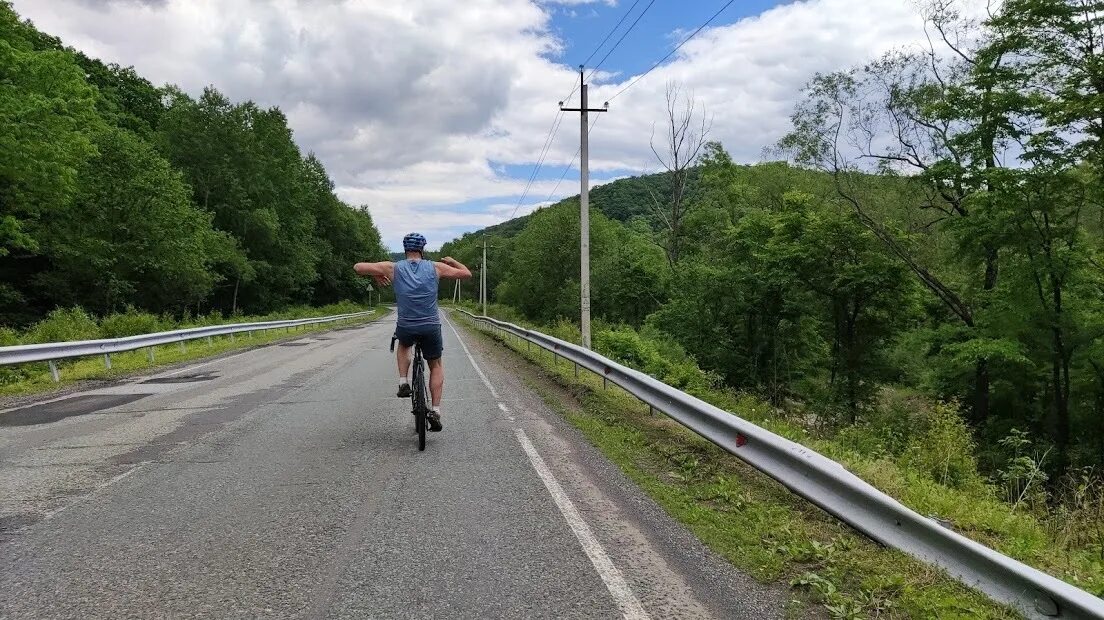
(433, 113)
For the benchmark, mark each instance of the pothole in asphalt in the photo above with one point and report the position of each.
(200, 376)
(44, 413)
(14, 522)
(294, 344)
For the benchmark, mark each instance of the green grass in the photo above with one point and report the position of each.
(751, 520)
(36, 378)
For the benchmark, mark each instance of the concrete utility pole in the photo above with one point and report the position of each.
(483, 277)
(584, 206)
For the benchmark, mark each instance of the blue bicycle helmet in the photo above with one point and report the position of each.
(414, 242)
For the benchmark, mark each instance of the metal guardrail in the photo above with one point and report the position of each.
(53, 351)
(837, 491)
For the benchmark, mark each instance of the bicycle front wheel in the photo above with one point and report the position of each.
(420, 407)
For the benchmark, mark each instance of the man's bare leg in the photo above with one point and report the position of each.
(402, 355)
(436, 381)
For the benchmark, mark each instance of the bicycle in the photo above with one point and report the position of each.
(418, 393)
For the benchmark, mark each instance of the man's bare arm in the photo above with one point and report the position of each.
(449, 267)
(381, 272)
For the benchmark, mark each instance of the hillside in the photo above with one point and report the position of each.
(633, 198)
(622, 200)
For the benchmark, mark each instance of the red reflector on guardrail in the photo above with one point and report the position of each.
(740, 440)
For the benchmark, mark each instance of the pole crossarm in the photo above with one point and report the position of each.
(563, 109)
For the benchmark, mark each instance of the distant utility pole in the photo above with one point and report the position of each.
(584, 206)
(483, 277)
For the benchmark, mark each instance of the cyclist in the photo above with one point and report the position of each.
(415, 281)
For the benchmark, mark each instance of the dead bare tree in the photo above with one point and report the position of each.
(686, 131)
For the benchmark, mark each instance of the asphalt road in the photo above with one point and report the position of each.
(285, 481)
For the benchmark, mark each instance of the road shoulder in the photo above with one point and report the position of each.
(669, 568)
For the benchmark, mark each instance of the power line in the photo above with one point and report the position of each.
(677, 47)
(540, 160)
(564, 175)
(570, 163)
(610, 33)
(623, 35)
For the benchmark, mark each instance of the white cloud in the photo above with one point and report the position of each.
(413, 105)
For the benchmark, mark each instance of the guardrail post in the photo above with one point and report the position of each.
(231, 336)
(183, 347)
(576, 369)
(107, 361)
(209, 341)
(605, 381)
(150, 351)
(54, 372)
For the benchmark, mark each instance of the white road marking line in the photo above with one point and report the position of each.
(472, 360)
(615, 582)
(120, 477)
(103, 485)
(611, 576)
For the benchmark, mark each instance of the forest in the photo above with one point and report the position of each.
(931, 232)
(117, 194)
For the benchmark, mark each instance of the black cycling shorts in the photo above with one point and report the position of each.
(426, 336)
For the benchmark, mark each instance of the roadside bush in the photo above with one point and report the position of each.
(562, 328)
(929, 438)
(64, 325)
(10, 374)
(663, 360)
(213, 317)
(889, 427)
(944, 450)
(131, 323)
(1078, 517)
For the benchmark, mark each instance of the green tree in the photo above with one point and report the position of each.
(47, 118)
(542, 280)
(131, 235)
(126, 99)
(862, 293)
(938, 120)
(804, 303)
(244, 167)
(345, 235)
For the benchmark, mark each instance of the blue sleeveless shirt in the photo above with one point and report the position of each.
(415, 285)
